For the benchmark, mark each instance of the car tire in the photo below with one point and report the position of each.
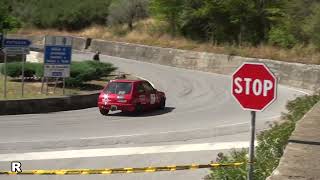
(162, 105)
(104, 112)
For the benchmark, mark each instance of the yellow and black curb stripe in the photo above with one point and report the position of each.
(119, 170)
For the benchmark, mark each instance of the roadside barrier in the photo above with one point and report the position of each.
(120, 170)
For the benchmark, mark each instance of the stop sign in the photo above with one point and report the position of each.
(254, 86)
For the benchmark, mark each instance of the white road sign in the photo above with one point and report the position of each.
(57, 70)
(16, 50)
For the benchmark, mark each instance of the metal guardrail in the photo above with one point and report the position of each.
(121, 170)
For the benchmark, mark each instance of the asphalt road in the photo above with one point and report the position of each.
(200, 109)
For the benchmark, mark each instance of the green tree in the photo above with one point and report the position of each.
(7, 21)
(61, 14)
(241, 13)
(192, 23)
(281, 36)
(312, 26)
(229, 20)
(207, 18)
(298, 13)
(127, 12)
(169, 11)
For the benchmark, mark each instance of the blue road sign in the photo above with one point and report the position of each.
(16, 43)
(57, 55)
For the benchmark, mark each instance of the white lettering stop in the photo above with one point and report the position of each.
(257, 86)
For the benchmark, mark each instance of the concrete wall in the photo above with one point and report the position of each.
(35, 57)
(28, 106)
(79, 43)
(301, 159)
(291, 74)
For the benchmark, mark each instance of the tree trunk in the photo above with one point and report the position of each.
(130, 25)
(240, 34)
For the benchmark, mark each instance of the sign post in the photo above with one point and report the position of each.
(251, 150)
(1, 40)
(15, 47)
(57, 57)
(254, 88)
(5, 77)
(4, 62)
(22, 80)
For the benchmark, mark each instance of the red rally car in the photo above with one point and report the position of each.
(131, 96)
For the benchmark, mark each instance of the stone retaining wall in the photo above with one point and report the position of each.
(291, 74)
(301, 158)
(28, 106)
(79, 43)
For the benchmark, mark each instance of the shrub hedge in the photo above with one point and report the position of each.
(80, 72)
(86, 71)
(271, 144)
(14, 69)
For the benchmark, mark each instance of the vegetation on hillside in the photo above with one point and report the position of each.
(271, 144)
(8, 22)
(238, 27)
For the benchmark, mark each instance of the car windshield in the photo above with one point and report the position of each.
(118, 88)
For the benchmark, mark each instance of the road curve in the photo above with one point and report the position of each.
(199, 105)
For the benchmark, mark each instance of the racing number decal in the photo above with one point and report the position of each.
(105, 99)
(152, 98)
(142, 99)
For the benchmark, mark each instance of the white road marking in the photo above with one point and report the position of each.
(104, 152)
(129, 135)
(303, 91)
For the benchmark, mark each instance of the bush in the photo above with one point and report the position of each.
(230, 172)
(271, 144)
(80, 72)
(87, 71)
(281, 37)
(14, 69)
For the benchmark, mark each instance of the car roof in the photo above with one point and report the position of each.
(127, 80)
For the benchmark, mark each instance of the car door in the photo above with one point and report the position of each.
(150, 93)
(142, 96)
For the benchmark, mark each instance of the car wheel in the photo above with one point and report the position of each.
(104, 112)
(162, 105)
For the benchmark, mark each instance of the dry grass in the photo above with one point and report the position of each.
(33, 89)
(149, 32)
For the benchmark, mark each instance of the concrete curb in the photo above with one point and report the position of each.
(301, 156)
(30, 106)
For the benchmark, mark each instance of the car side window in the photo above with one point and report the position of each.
(148, 87)
(140, 88)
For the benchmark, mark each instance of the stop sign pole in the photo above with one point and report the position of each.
(254, 88)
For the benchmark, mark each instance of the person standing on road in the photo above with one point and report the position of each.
(96, 56)
(220, 157)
